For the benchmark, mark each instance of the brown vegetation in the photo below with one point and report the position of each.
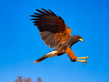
(20, 79)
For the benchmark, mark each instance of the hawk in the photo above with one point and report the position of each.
(56, 34)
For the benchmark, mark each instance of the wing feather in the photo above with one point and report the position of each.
(53, 29)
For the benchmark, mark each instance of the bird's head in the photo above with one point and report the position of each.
(76, 38)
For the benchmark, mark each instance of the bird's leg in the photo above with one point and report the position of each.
(71, 54)
(83, 61)
(74, 58)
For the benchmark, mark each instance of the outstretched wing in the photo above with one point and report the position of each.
(52, 28)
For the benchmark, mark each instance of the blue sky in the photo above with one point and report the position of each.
(20, 43)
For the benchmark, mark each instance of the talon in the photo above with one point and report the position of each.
(87, 56)
(87, 61)
(83, 57)
(82, 63)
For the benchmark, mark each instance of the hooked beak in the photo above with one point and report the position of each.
(81, 39)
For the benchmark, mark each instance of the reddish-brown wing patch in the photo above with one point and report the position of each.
(69, 31)
(52, 28)
(61, 37)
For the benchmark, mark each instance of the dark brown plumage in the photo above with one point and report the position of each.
(55, 33)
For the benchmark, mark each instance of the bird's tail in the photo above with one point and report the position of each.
(50, 54)
(40, 59)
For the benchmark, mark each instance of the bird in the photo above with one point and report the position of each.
(57, 35)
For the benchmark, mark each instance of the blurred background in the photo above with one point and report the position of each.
(20, 43)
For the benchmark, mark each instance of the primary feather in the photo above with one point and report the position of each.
(53, 29)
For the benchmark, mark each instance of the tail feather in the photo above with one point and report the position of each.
(50, 54)
(40, 59)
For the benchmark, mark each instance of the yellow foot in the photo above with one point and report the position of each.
(83, 57)
(83, 61)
